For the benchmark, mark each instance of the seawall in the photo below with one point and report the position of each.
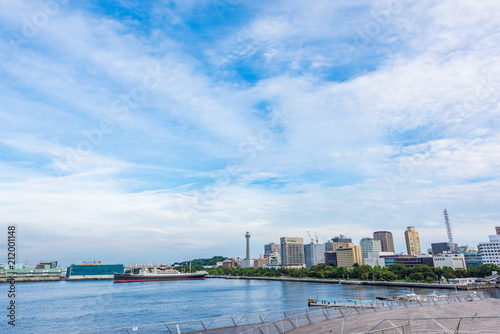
(376, 283)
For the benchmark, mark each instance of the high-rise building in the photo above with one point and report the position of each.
(491, 250)
(341, 238)
(440, 248)
(386, 240)
(369, 245)
(272, 248)
(412, 241)
(347, 257)
(331, 258)
(314, 254)
(292, 251)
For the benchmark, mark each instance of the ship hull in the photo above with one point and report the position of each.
(127, 278)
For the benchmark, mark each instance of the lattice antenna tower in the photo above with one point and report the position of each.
(451, 244)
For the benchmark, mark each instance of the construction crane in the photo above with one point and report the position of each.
(309, 234)
(451, 244)
(316, 234)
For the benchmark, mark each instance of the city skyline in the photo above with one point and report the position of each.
(160, 131)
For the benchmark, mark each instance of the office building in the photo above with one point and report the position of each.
(261, 262)
(314, 254)
(440, 248)
(386, 240)
(347, 257)
(272, 248)
(292, 252)
(369, 245)
(408, 260)
(472, 257)
(341, 238)
(376, 258)
(455, 261)
(331, 258)
(412, 241)
(491, 250)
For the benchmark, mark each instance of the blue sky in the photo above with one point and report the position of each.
(164, 130)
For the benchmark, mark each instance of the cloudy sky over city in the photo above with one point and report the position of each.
(164, 130)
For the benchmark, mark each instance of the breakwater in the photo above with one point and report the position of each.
(373, 283)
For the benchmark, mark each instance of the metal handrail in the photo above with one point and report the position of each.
(261, 316)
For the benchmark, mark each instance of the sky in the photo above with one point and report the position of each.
(161, 131)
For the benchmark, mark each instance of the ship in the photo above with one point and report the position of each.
(158, 275)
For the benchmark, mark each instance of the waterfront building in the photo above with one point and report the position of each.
(228, 263)
(472, 257)
(261, 261)
(21, 272)
(292, 252)
(94, 270)
(491, 250)
(440, 248)
(386, 240)
(347, 257)
(250, 263)
(455, 261)
(369, 245)
(338, 242)
(314, 254)
(272, 248)
(376, 258)
(412, 241)
(331, 258)
(408, 260)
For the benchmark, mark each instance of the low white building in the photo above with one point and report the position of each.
(455, 261)
(491, 250)
(374, 259)
(462, 280)
(247, 263)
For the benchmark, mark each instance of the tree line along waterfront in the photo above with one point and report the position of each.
(394, 272)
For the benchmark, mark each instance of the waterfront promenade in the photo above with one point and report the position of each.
(466, 317)
(373, 283)
(323, 320)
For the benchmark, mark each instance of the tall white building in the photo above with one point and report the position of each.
(491, 250)
(369, 245)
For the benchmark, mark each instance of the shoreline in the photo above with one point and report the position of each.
(373, 283)
(40, 279)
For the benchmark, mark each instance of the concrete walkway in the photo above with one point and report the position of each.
(359, 323)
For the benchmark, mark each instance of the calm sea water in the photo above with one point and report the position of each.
(67, 307)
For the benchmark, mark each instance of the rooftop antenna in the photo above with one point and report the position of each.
(451, 244)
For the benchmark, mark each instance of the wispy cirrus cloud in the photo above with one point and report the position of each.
(276, 118)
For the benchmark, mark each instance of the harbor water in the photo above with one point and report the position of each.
(68, 307)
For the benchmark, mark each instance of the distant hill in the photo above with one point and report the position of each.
(202, 262)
